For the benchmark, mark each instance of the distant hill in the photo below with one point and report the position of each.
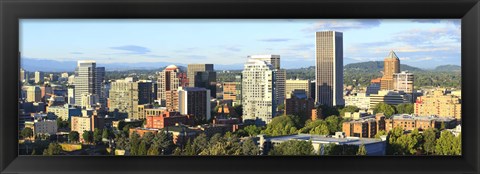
(376, 66)
(448, 68)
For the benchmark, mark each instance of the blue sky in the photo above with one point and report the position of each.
(421, 43)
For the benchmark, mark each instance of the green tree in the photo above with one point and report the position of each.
(189, 149)
(457, 145)
(227, 145)
(429, 138)
(348, 109)
(199, 143)
(134, 143)
(106, 134)
(404, 108)
(97, 135)
(121, 142)
(380, 133)
(27, 132)
(446, 144)
(406, 145)
(53, 149)
(362, 150)
(322, 129)
(386, 109)
(252, 130)
(153, 151)
(164, 142)
(142, 148)
(250, 148)
(73, 136)
(334, 123)
(87, 136)
(148, 137)
(327, 110)
(293, 147)
(282, 125)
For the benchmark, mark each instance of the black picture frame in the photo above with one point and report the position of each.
(13, 10)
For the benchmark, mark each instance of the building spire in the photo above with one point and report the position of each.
(392, 55)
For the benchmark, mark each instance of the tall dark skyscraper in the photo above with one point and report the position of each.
(329, 68)
(203, 76)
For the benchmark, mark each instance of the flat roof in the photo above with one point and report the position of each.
(325, 139)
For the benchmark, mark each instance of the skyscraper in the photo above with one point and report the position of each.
(22, 75)
(202, 76)
(258, 92)
(169, 80)
(195, 102)
(391, 66)
(34, 94)
(280, 75)
(85, 79)
(38, 77)
(99, 90)
(329, 68)
(233, 91)
(126, 95)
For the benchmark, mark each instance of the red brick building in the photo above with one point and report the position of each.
(166, 118)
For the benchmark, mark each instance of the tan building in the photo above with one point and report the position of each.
(291, 85)
(360, 100)
(169, 80)
(34, 94)
(124, 98)
(391, 66)
(233, 91)
(85, 123)
(410, 122)
(141, 110)
(171, 100)
(154, 111)
(365, 128)
(388, 97)
(439, 104)
(316, 115)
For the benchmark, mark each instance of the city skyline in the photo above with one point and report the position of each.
(229, 42)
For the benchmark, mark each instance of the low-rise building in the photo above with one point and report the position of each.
(411, 122)
(365, 127)
(374, 147)
(388, 97)
(360, 100)
(64, 112)
(43, 126)
(166, 118)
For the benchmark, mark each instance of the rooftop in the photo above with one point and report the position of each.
(325, 139)
(414, 117)
(392, 55)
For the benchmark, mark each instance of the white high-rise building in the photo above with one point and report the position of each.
(329, 68)
(71, 96)
(38, 77)
(87, 80)
(258, 91)
(22, 75)
(280, 75)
